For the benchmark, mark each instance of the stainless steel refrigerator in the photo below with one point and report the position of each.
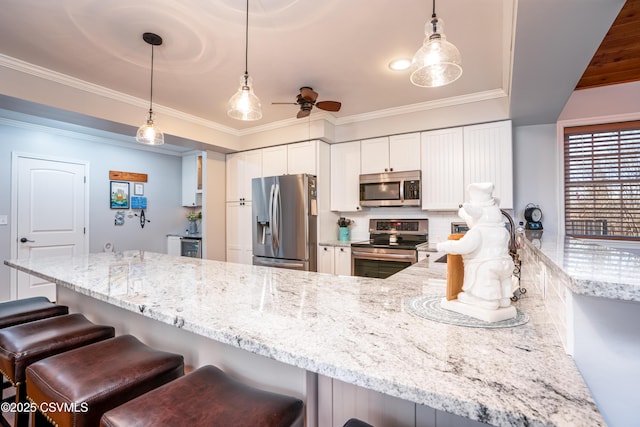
(285, 216)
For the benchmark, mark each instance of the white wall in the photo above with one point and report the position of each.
(535, 173)
(163, 189)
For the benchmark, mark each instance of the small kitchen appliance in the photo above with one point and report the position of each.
(392, 246)
(390, 189)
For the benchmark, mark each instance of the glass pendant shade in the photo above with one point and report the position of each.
(150, 134)
(437, 62)
(244, 104)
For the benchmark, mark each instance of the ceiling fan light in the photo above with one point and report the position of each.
(149, 134)
(244, 104)
(437, 62)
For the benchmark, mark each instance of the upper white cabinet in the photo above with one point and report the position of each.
(404, 152)
(302, 158)
(345, 177)
(488, 158)
(274, 161)
(291, 159)
(192, 180)
(374, 155)
(241, 169)
(442, 169)
(390, 154)
(456, 157)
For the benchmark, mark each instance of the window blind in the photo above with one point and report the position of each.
(602, 181)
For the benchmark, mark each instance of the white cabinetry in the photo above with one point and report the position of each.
(291, 159)
(390, 154)
(404, 152)
(456, 157)
(192, 180)
(342, 261)
(345, 177)
(334, 260)
(274, 161)
(374, 155)
(326, 263)
(302, 157)
(241, 169)
(442, 179)
(488, 158)
(239, 237)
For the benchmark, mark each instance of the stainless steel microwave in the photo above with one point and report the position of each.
(390, 189)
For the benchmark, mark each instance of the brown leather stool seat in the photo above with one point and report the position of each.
(29, 309)
(354, 422)
(99, 377)
(21, 345)
(207, 397)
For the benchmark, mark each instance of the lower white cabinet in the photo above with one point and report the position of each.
(342, 261)
(326, 263)
(239, 239)
(334, 260)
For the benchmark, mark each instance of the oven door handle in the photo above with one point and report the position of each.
(382, 257)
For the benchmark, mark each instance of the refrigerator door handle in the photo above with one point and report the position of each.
(274, 220)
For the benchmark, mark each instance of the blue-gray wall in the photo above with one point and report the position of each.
(163, 189)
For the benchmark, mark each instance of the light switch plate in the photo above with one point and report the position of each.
(4, 220)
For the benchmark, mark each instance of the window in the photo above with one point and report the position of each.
(602, 181)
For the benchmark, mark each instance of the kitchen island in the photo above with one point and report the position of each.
(321, 328)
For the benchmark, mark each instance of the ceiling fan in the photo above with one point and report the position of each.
(306, 99)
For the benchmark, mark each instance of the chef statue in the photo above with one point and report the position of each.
(488, 267)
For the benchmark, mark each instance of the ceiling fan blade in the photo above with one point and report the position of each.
(308, 94)
(329, 105)
(303, 113)
(284, 103)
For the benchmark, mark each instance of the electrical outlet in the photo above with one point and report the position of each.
(4, 220)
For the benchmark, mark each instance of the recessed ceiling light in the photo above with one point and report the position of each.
(400, 64)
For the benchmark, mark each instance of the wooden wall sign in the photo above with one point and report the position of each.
(127, 176)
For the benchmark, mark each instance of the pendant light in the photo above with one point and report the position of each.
(148, 133)
(437, 62)
(244, 104)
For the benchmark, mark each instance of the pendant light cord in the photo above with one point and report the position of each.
(246, 46)
(151, 94)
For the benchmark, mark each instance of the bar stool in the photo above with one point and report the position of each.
(23, 311)
(91, 380)
(21, 345)
(354, 422)
(207, 397)
(29, 309)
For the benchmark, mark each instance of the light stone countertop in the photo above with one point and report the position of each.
(352, 329)
(595, 270)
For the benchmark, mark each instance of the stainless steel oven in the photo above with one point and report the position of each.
(392, 246)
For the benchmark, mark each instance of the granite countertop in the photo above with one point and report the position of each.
(337, 243)
(595, 270)
(353, 329)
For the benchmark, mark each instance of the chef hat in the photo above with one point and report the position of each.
(480, 194)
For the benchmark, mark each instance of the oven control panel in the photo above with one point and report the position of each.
(413, 226)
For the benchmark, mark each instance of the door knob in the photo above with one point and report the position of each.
(25, 240)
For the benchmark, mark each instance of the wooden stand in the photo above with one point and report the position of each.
(455, 272)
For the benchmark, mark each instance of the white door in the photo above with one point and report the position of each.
(50, 213)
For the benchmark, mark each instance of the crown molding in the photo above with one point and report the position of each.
(63, 79)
